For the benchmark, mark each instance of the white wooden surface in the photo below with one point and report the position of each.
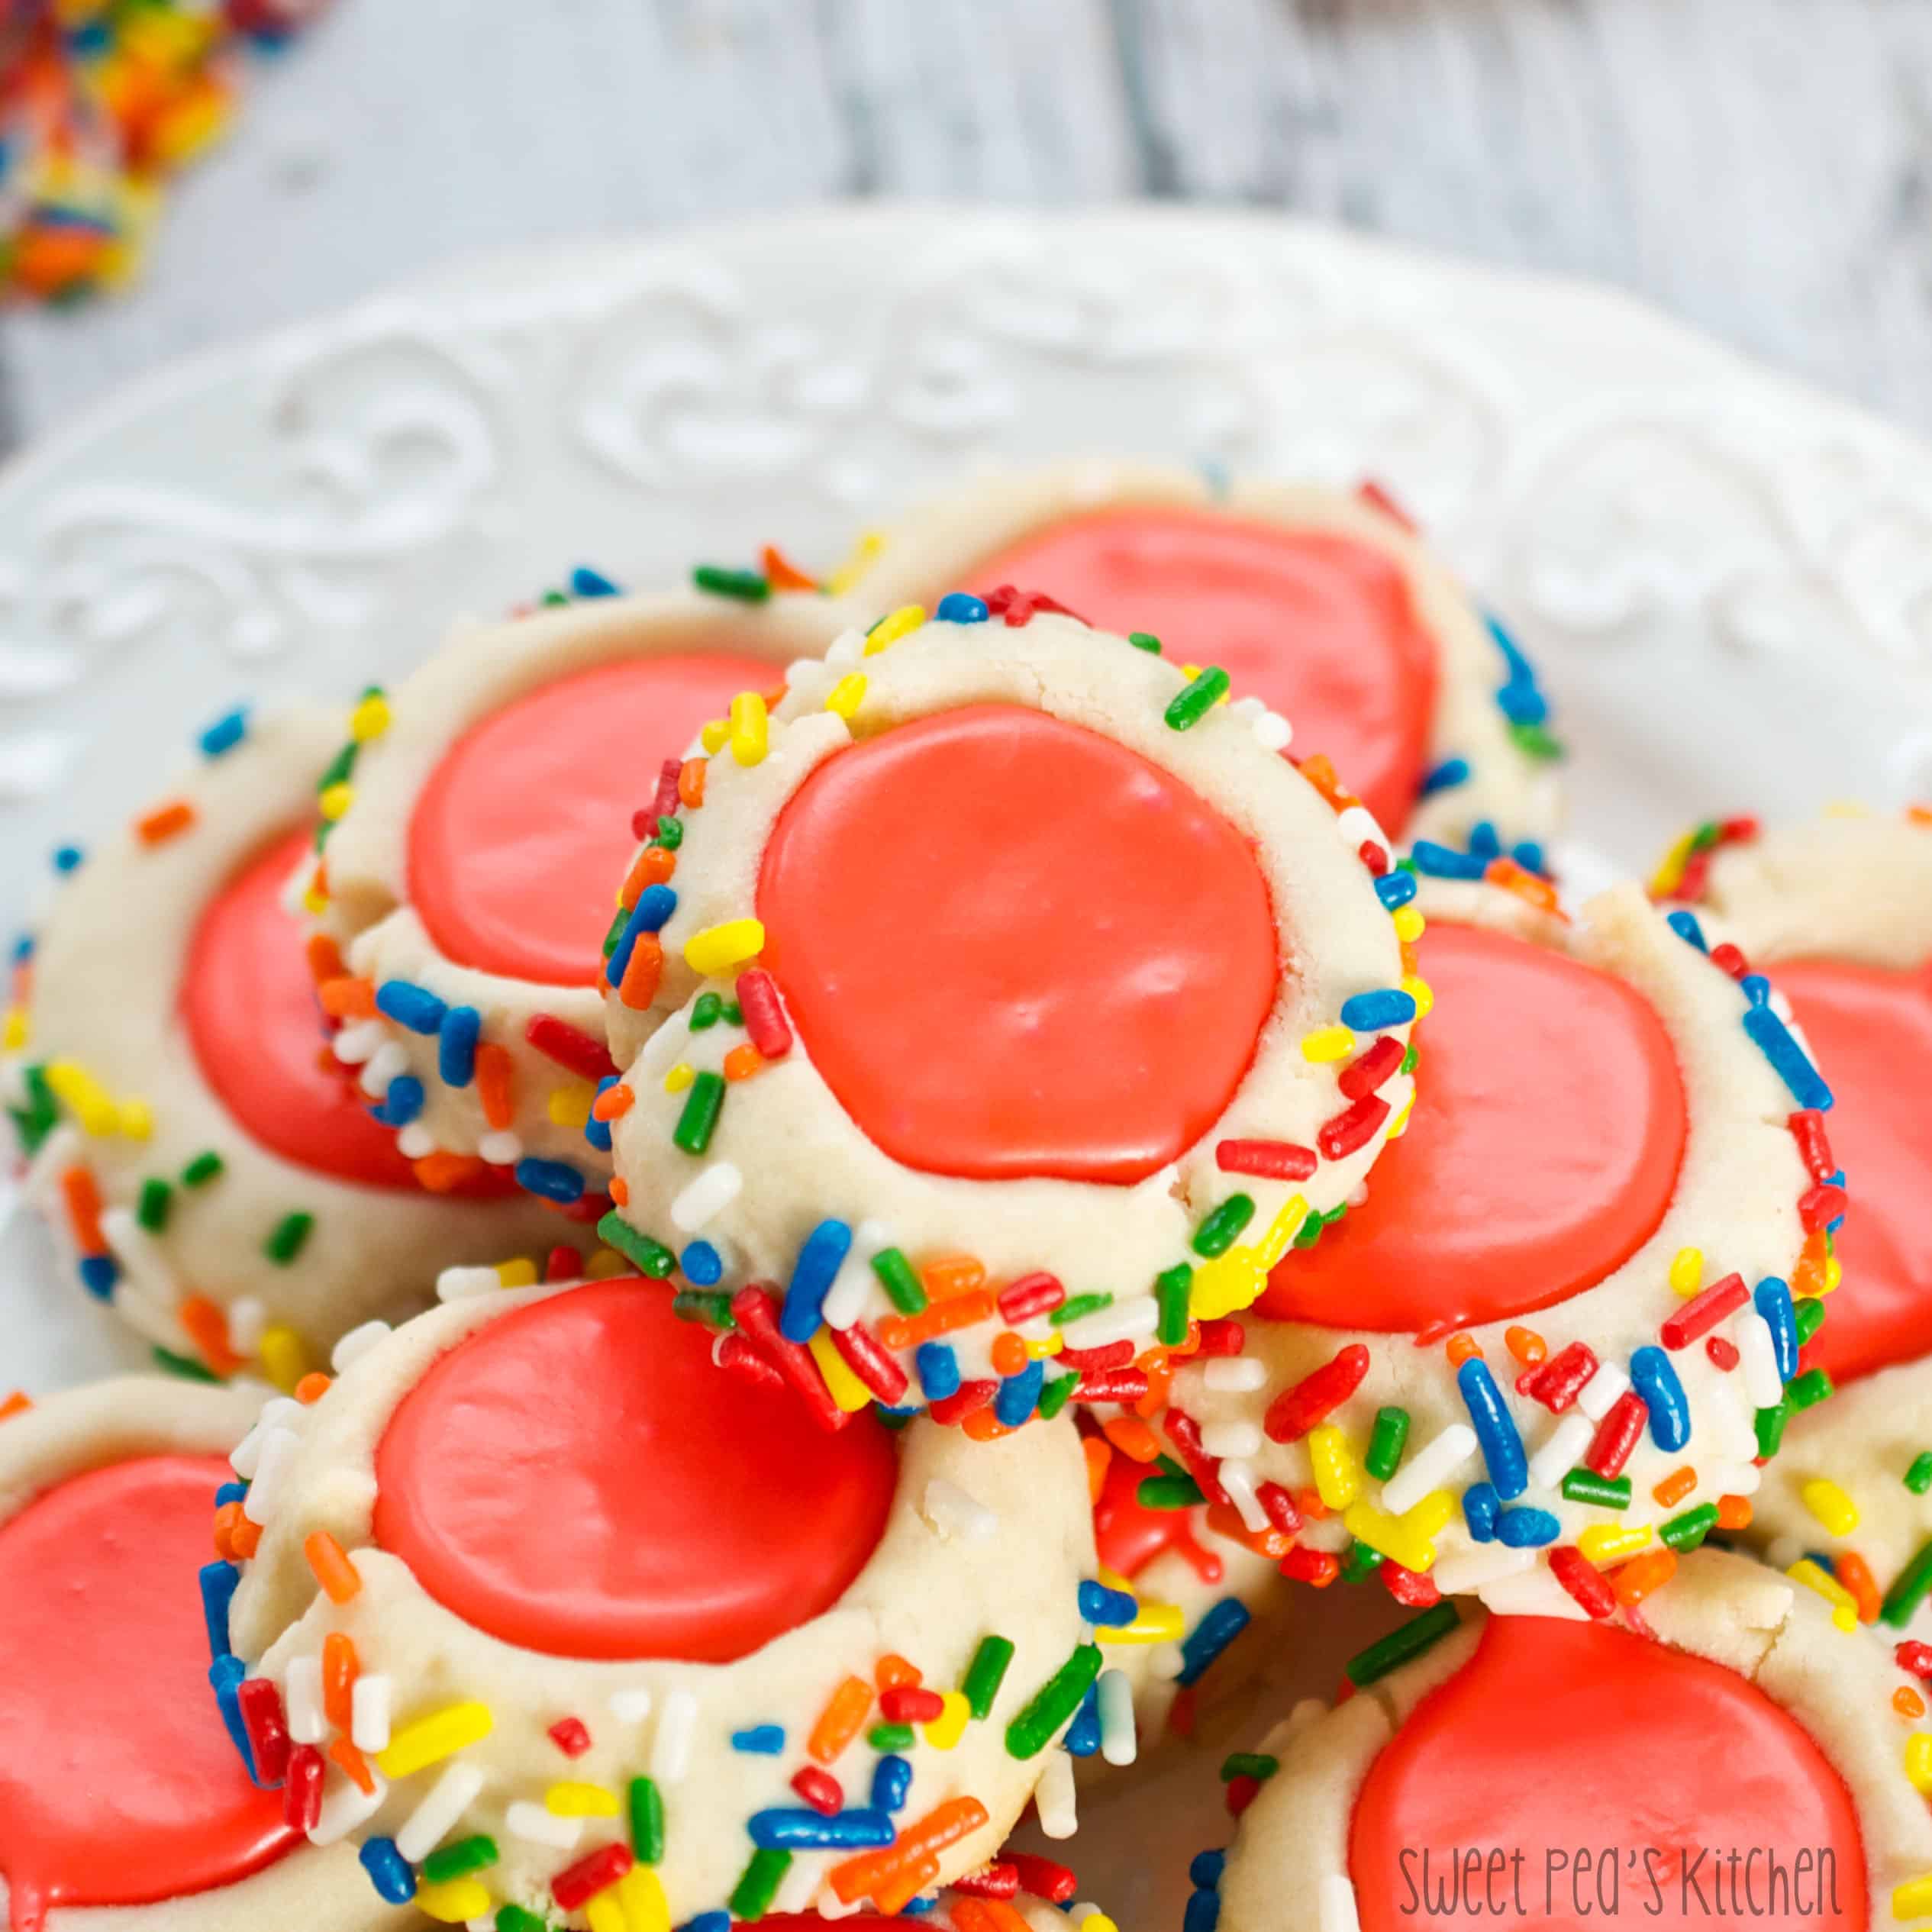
(1763, 167)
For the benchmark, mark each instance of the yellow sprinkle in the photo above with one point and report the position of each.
(1911, 1900)
(1158, 1623)
(1844, 1605)
(1610, 1542)
(1328, 1044)
(1046, 1347)
(679, 1077)
(1399, 1125)
(370, 718)
(641, 1894)
(1409, 1539)
(13, 1030)
(136, 1119)
(848, 694)
(719, 948)
(604, 1913)
(943, 1732)
(1422, 993)
(454, 1902)
(714, 733)
(865, 553)
(1847, 808)
(569, 1799)
(284, 1359)
(315, 900)
(1830, 1505)
(336, 799)
(429, 1740)
(1098, 1922)
(1918, 1760)
(1686, 1271)
(606, 1264)
(1113, 1579)
(84, 1096)
(1338, 1475)
(569, 1106)
(889, 631)
(1670, 872)
(847, 1390)
(519, 1272)
(750, 729)
(1409, 925)
(1834, 1273)
(1233, 1281)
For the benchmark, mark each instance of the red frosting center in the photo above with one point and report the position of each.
(248, 1005)
(1015, 947)
(520, 840)
(1872, 1031)
(1319, 625)
(577, 1478)
(1559, 1739)
(1550, 1124)
(118, 1785)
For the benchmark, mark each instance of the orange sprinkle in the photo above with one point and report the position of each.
(1409, 959)
(1320, 773)
(1808, 1277)
(638, 987)
(1098, 1455)
(901, 1331)
(1009, 1353)
(1160, 1382)
(313, 1386)
(951, 1274)
(1675, 1486)
(83, 1199)
(613, 1104)
(346, 998)
(15, 1403)
(743, 1061)
(653, 866)
(1133, 1437)
(781, 573)
(1525, 1344)
(1309, 1502)
(893, 1895)
(339, 1669)
(324, 959)
(893, 1672)
(226, 1518)
(945, 1824)
(496, 1074)
(353, 1766)
(339, 1577)
(620, 1191)
(1907, 1702)
(1734, 1512)
(983, 1425)
(1462, 1348)
(1635, 1580)
(1855, 1573)
(1513, 878)
(164, 822)
(442, 1172)
(243, 1539)
(1919, 815)
(691, 783)
(208, 1329)
(1225, 1520)
(839, 1723)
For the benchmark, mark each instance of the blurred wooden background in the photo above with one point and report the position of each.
(1762, 167)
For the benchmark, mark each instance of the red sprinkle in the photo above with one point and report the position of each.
(665, 804)
(1807, 1130)
(301, 1798)
(752, 1307)
(1703, 1312)
(1274, 1160)
(962, 1403)
(1241, 1793)
(1367, 1072)
(1295, 1411)
(1315, 1566)
(999, 1881)
(1618, 1434)
(871, 1361)
(1031, 1295)
(1374, 856)
(562, 1264)
(1722, 1353)
(737, 1355)
(1556, 1383)
(911, 1704)
(570, 1046)
(1043, 1878)
(570, 1736)
(1353, 1127)
(764, 1013)
(1408, 1586)
(1730, 958)
(1372, 493)
(1819, 1206)
(1914, 1657)
(1021, 607)
(267, 1729)
(1279, 1506)
(1185, 1434)
(1225, 1335)
(820, 1790)
(588, 1876)
(1111, 1386)
(1583, 1580)
(1114, 1355)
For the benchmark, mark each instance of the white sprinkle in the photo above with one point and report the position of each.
(1781, 1552)
(846, 649)
(1039, 1916)
(279, 1447)
(1732, 1479)
(1118, 1744)
(1758, 1361)
(1471, 1570)
(630, 1705)
(383, 1065)
(1562, 1450)
(1723, 1416)
(1597, 1396)
(369, 1712)
(246, 1319)
(1125, 1321)
(952, 1513)
(1535, 1593)
(354, 1044)
(140, 1258)
(13, 1081)
(242, 1459)
(539, 1827)
(447, 1799)
(302, 1697)
(346, 1807)
(1235, 1375)
(59, 1152)
(1273, 732)
(1428, 1469)
(660, 1051)
(870, 1238)
(503, 1149)
(829, 1905)
(710, 1193)
(670, 1747)
(357, 1343)
(845, 1300)
(1060, 1816)
(460, 1284)
(1236, 1439)
(1082, 1910)
(1238, 1479)
(415, 1142)
(1357, 826)
(1335, 1904)
(795, 1892)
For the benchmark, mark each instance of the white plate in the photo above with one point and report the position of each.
(1726, 578)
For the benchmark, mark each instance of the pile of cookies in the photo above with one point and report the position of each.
(788, 1221)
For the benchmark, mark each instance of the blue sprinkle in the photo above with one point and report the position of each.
(414, 1007)
(597, 1132)
(655, 905)
(1684, 924)
(1772, 1039)
(586, 583)
(1203, 1912)
(225, 1675)
(707, 1922)
(1825, 1561)
(551, 1180)
(891, 1783)
(98, 1273)
(1481, 1508)
(1772, 1300)
(1082, 1738)
(402, 1103)
(1484, 840)
(23, 948)
(1756, 989)
(1016, 1396)
(800, 1829)
(1388, 1006)
(761, 1740)
(218, 1582)
(1209, 1637)
(1521, 671)
(1655, 1379)
(1396, 887)
(1436, 861)
(1529, 855)
(939, 1370)
(455, 1046)
(1528, 1529)
(956, 607)
(820, 1259)
(1522, 703)
(388, 1871)
(1204, 1872)
(1445, 777)
(1495, 1429)
(67, 858)
(1108, 1609)
(703, 1265)
(229, 1492)
(224, 733)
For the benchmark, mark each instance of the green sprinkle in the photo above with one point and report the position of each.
(733, 1014)
(1168, 1492)
(1053, 1703)
(615, 931)
(1769, 1425)
(1908, 1592)
(985, 1674)
(1537, 741)
(698, 1121)
(1172, 1286)
(203, 1168)
(748, 587)
(1810, 1313)
(1606, 1491)
(1054, 1393)
(458, 1860)
(1687, 1531)
(338, 768)
(752, 1898)
(1360, 1563)
(704, 1011)
(1408, 1060)
(891, 1737)
(670, 832)
(1388, 1652)
(1386, 1444)
(40, 1116)
(1072, 1309)
(513, 1918)
(652, 1258)
(1310, 1231)
(1217, 1234)
(1144, 640)
(646, 1803)
(151, 1210)
(901, 1286)
(1918, 1478)
(1807, 1391)
(1193, 703)
(1248, 1764)
(287, 1239)
(711, 1306)
(1169, 1466)
(551, 599)
(1705, 836)
(893, 1421)
(183, 1365)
